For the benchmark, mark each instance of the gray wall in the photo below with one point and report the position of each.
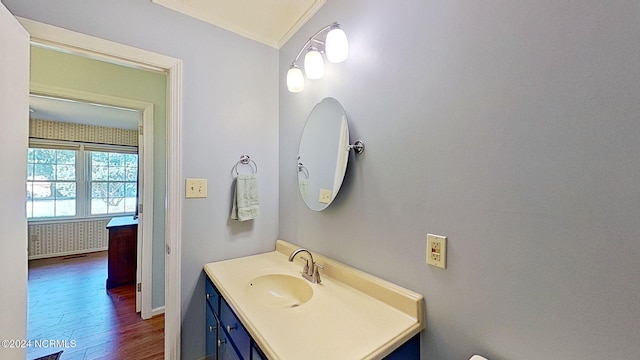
(513, 128)
(230, 108)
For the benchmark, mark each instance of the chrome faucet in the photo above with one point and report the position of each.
(308, 272)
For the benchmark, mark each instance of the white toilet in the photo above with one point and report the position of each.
(477, 357)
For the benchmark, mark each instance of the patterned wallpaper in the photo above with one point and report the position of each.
(64, 238)
(45, 129)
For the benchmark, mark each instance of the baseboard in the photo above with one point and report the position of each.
(157, 311)
(66, 253)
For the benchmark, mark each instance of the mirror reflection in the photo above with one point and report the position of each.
(323, 154)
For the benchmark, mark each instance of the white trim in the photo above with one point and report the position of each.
(173, 214)
(145, 248)
(86, 96)
(222, 22)
(216, 20)
(96, 48)
(67, 253)
(300, 23)
(157, 311)
(129, 56)
(14, 103)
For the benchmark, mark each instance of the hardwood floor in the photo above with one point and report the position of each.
(68, 301)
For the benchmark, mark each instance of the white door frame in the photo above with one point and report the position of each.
(14, 134)
(145, 228)
(112, 52)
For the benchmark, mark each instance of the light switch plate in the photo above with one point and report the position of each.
(437, 250)
(196, 188)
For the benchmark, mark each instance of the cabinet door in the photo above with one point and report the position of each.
(256, 354)
(409, 350)
(237, 334)
(212, 335)
(212, 297)
(225, 348)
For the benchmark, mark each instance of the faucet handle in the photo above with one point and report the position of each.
(306, 265)
(316, 273)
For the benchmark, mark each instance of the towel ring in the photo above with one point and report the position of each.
(246, 160)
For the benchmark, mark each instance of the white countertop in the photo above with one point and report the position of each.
(352, 315)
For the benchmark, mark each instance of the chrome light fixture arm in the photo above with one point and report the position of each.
(334, 46)
(313, 39)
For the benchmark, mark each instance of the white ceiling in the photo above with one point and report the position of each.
(55, 109)
(271, 22)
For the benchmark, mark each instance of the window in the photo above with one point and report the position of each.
(114, 178)
(51, 183)
(71, 180)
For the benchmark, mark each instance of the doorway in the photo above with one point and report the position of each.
(113, 120)
(95, 139)
(124, 55)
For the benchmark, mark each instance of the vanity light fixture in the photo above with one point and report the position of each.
(335, 46)
(313, 64)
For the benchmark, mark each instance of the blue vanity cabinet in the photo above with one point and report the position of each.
(256, 353)
(235, 331)
(213, 324)
(409, 350)
(227, 339)
(212, 335)
(226, 351)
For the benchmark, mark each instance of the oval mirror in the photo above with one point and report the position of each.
(323, 154)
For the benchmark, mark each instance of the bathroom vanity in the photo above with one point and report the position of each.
(260, 307)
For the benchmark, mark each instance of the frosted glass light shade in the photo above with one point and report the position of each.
(313, 64)
(337, 46)
(295, 80)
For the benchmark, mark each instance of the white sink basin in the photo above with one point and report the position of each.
(279, 290)
(291, 318)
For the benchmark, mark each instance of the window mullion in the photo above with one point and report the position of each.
(81, 171)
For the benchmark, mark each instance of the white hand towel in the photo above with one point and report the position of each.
(245, 198)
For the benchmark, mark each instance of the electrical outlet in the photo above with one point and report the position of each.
(196, 188)
(325, 196)
(437, 250)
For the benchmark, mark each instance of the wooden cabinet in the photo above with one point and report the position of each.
(232, 341)
(123, 246)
